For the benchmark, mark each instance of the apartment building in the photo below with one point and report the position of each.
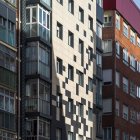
(8, 70)
(121, 70)
(73, 69)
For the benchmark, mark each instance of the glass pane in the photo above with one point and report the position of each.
(1, 101)
(34, 15)
(40, 15)
(27, 15)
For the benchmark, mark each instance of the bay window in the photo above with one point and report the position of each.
(38, 22)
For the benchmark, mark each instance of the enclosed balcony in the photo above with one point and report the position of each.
(99, 101)
(99, 72)
(99, 12)
(45, 3)
(38, 23)
(99, 43)
(37, 97)
(37, 60)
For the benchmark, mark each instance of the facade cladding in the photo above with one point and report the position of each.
(121, 70)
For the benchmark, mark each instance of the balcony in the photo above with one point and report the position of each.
(99, 43)
(45, 3)
(37, 105)
(99, 12)
(99, 72)
(98, 99)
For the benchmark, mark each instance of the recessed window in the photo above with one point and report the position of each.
(107, 76)
(90, 114)
(81, 110)
(59, 100)
(90, 84)
(70, 72)
(59, 30)
(107, 46)
(81, 46)
(107, 105)
(58, 134)
(77, 27)
(90, 22)
(125, 112)
(60, 1)
(117, 108)
(90, 53)
(70, 135)
(117, 21)
(59, 66)
(132, 62)
(107, 133)
(71, 6)
(107, 20)
(81, 14)
(125, 84)
(70, 39)
(132, 89)
(132, 37)
(117, 79)
(125, 56)
(80, 78)
(138, 41)
(89, 6)
(117, 49)
(80, 137)
(70, 105)
(125, 29)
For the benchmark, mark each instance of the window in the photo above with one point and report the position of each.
(7, 101)
(90, 22)
(90, 53)
(70, 105)
(117, 79)
(138, 91)
(125, 136)
(125, 112)
(90, 114)
(138, 41)
(107, 76)
(107, 46)
(70, 39)
(80, 137)
(6, 135)
(60, 1)
(90, 84)
(107, 20)
(107, 105)
(132, 89)
(107, 133)
(11, 33)
(133, 115)
(59, 66)
(125, 56)
(118, 21)
(59, 100)
(132, 37)
(81, 46)
(81, 109)
(132, 62)
(81, 14)
(59, 30)
(99, 59)
(70, 72)
(80, 78)
(117, 49)
(100, 3)
(44, 129)
(117, 108)
(70, 135)
(133, 138)
(38, 25)
(58, 134)
(125, 29)
(99, 30)
(117, 134)
(125, 84)
(138, 66)
(89, 6)
(71, 6)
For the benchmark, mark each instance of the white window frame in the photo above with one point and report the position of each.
(125, 112)
(125, 29)
(118, 21)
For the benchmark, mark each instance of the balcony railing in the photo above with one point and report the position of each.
(37, 105)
